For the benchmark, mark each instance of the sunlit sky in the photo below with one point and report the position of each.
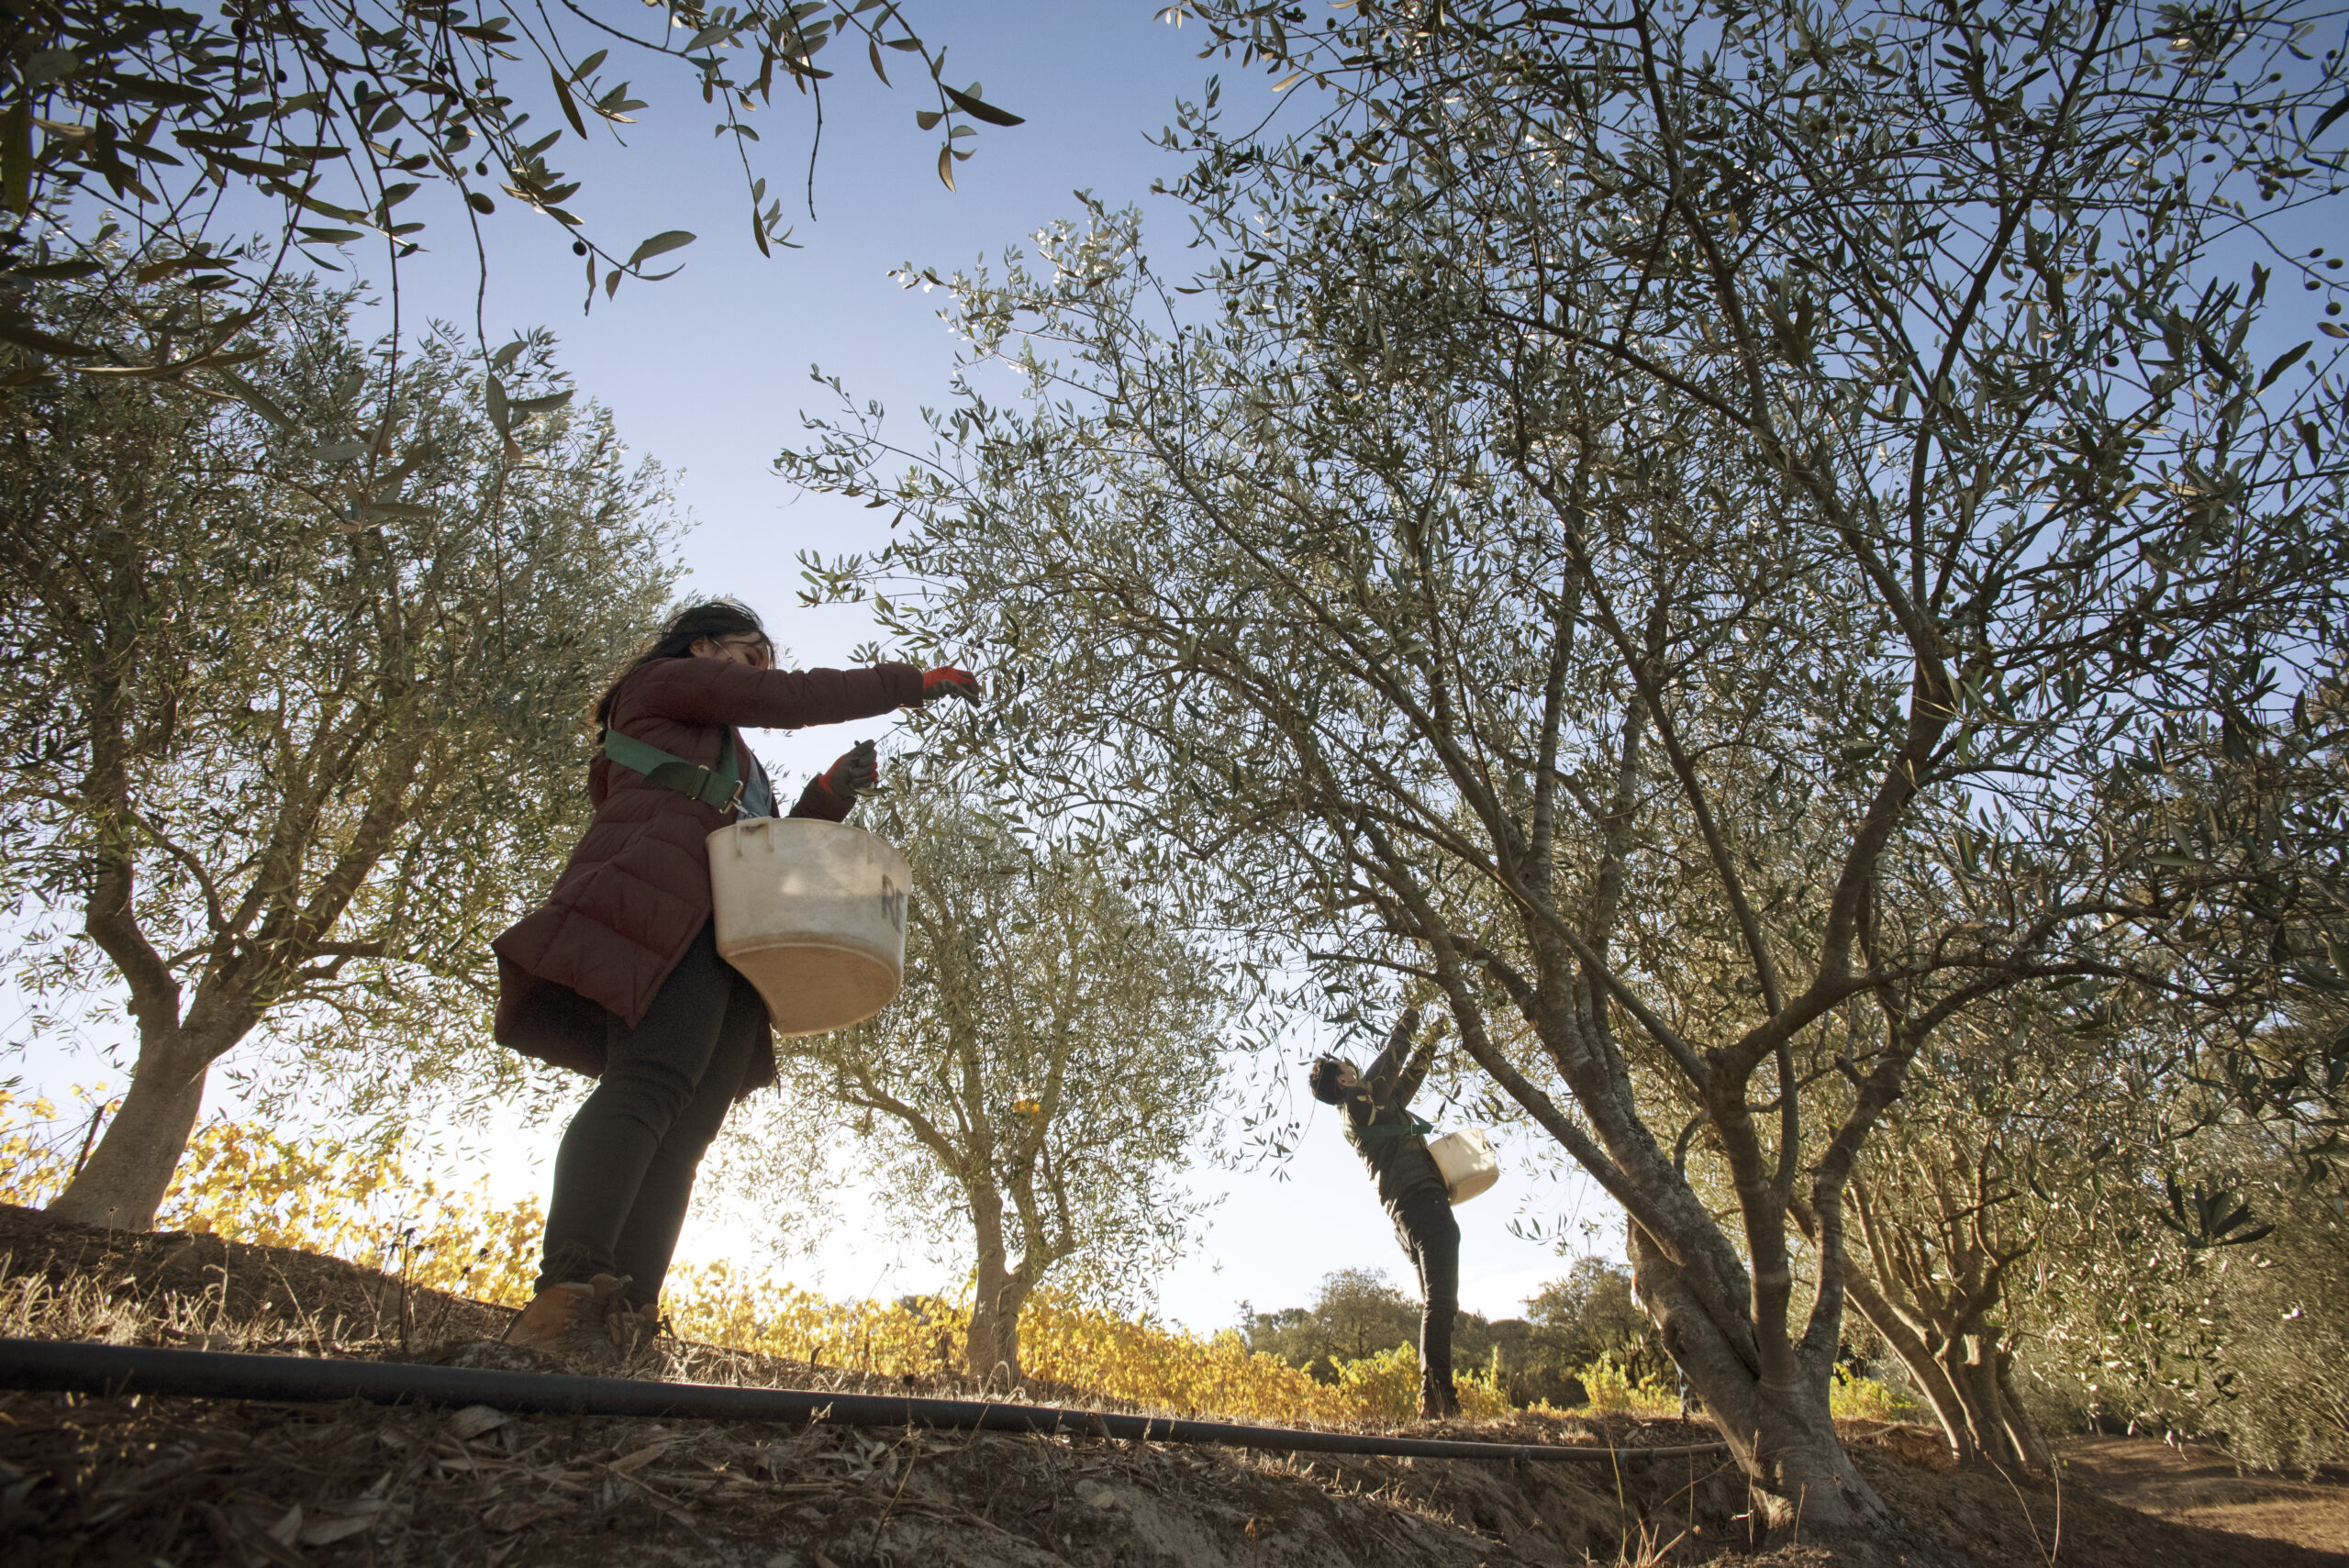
(708, 372)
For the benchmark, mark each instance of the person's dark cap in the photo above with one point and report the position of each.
(1322, 1078)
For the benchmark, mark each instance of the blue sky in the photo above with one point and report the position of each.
(707, 372)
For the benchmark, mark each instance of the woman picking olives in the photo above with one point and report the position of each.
(618, 974)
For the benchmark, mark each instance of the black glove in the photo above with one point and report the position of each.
(858, 770)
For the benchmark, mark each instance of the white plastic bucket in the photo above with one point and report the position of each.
(813, 914)
(1465, 1159)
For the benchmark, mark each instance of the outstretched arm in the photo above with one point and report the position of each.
(1415, 1072)
(1387, 1068)
(715, 691)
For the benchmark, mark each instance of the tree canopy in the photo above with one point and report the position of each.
(140, 119)
(1721, 541)
(1028, 1101)
(284, 743)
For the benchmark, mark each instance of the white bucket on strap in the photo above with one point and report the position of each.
(813, 913)
(1466, 1162)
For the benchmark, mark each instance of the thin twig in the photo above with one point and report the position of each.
(911, 1458)
(88, 1138)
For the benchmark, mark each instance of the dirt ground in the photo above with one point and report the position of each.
(2199, 1486)
(187, 1482)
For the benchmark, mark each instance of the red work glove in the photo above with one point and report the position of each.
(947, 681)
(858, 770)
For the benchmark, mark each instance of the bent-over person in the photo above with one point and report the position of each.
(1393, 1143)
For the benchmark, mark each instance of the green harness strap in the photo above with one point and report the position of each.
(1410, 1126)
(721, 786)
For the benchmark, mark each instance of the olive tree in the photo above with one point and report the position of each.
(1696, 533)
(2185, 1279)
(2239, 1338)
(1945, 1216)
(338, 114)
(1028, 1100)
(2077, 1177)
(293, 699)
(2045, 1155)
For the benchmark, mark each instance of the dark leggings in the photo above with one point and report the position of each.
(1430, 1236)
(625, 1172)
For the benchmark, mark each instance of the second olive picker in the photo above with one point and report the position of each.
(618, 974)
(1393, 1143)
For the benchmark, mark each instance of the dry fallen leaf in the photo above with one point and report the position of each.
(335, 1521)
(510, 1516)
(475, 1420)
(637, 1460)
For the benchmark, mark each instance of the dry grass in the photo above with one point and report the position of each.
(108, 1481)
(93, 1481)
(206, 1292)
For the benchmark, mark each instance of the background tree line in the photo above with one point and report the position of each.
(1572, 1323)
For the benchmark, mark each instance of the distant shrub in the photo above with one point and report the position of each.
(1608, 1385)
(1866, 1399)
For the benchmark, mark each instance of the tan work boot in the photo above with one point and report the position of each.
(550, 1314)
(573, 1317)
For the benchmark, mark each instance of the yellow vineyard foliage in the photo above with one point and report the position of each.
(249, 1186)
(38, 1147)
(1609, 1387)
(1060, 1341)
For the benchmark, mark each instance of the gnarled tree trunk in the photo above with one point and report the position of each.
(992, 1351)
(1770, 1404)
(123, 1182)
(1938, 1283)
(1917, 1357)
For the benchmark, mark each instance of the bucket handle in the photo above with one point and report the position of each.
(744, 828)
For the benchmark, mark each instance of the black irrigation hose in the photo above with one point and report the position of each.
(73, 1367)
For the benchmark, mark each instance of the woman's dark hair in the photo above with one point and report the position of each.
(1322, 1079)
(714, 619)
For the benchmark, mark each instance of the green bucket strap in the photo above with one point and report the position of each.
(1410, 1126)
(721, 786)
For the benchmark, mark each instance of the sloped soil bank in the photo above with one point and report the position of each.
(183, 1481)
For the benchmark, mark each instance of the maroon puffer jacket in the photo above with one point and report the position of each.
(637, 890)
